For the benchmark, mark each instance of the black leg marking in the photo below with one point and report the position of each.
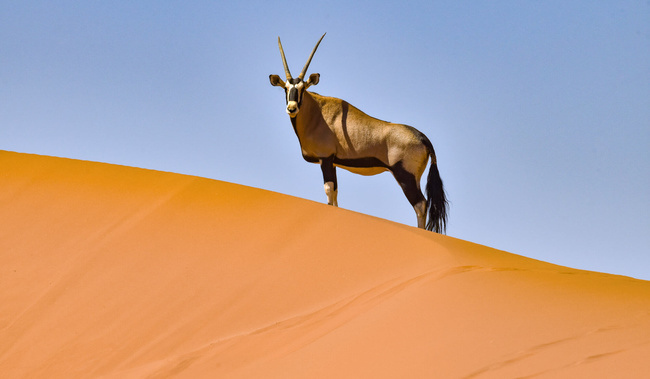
(329, 171)
(408, 183)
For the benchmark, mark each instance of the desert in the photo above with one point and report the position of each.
(118, 272)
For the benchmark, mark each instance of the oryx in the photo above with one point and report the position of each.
(333, 134)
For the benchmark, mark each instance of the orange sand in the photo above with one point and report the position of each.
(117, 272)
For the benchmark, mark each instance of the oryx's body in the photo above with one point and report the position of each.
(334, 133)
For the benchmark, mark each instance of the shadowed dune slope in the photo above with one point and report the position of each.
(116, 272)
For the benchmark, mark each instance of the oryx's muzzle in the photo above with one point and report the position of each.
(292, 108)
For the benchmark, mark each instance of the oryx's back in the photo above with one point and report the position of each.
(359, 135)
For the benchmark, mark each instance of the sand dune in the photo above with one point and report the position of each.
(116, 272)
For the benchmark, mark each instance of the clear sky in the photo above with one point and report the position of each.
(539, 111)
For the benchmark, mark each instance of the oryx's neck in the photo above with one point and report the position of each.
(314, 134)
(308, 116)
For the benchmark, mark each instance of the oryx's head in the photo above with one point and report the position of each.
(294, 88)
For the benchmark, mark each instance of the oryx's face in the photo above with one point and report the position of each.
(294, 88)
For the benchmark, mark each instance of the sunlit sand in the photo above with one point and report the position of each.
(116, 272)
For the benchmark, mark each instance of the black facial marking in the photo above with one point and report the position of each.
(293, 94)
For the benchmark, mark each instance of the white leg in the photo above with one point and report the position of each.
(421, 213)
(331, 194)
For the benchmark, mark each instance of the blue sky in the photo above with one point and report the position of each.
(539, 111)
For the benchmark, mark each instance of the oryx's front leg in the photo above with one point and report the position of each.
(329, 177)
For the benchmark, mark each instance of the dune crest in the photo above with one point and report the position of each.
(118, 272)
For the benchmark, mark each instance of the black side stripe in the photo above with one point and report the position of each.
(368, 162)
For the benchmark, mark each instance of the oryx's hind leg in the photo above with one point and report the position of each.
(329, 177)
(411, 186)
(421, 213)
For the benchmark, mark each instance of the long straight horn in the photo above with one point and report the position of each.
(284, 61)
(304, 69)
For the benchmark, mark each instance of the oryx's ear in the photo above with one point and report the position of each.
(313, 80)
(276, 81)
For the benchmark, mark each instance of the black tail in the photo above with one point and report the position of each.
(436, 198)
